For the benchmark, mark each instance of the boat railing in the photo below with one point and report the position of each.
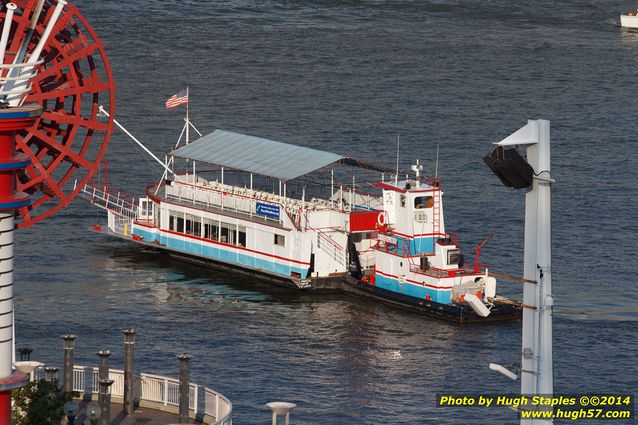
(156, 389)
(327, 244)
(443, 273)
(240, 200)
(110, 199)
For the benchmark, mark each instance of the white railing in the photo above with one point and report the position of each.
(157, 389)
(108, 200)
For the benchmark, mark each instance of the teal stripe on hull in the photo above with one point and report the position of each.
(412, 290)
(217, 252)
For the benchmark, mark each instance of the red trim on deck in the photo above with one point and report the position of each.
(223, 244)
(414, 281)
(393, 232)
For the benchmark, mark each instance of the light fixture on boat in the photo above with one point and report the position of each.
(503, 371)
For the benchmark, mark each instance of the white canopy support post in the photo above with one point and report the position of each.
(536, 356)
(222, 176)
(354, 188)
(332, 187)
(251, 182)
(140, 144)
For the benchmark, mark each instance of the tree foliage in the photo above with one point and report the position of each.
(40, 403)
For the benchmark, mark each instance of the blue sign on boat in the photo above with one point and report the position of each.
(268, 210)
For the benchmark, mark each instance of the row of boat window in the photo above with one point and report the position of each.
(212, 229)
(208, 229)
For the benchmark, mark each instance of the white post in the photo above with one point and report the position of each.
(165, 396)
(251, 182)
(187, 120)
(536, 356)
(8, 21)
(332, 184)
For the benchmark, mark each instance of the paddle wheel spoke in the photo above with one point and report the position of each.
(67, 142)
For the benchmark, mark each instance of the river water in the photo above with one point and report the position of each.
(347, 76)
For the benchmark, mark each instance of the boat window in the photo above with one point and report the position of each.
(171, 222)
(453, 256)
(211, 230)
(228, 233)
(193, 225)
(180, 225)
(280, 240)
(402, 200)
(241, 236)
(421, 202)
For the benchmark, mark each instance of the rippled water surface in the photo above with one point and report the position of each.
(347, 77)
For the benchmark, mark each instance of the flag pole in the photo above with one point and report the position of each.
(188, 124)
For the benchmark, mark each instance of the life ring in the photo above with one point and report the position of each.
(381, 219)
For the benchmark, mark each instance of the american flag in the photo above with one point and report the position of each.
(178, 99)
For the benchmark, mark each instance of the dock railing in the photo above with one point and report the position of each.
(156, 391)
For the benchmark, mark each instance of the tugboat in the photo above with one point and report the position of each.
(258, 210)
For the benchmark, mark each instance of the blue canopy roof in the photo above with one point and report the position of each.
(256, 155)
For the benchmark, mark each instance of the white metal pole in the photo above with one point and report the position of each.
(8, 21)
(140, 144)
(536, 351)
(187, 119)
(396, 176)
(332, 186)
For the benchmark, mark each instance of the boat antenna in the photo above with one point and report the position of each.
(436, 165)
(396, 176)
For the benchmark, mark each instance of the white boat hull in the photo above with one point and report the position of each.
(629, 21)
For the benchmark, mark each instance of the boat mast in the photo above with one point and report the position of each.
(188, 125)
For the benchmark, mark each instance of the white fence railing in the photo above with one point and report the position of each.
(109, 200)
(157, 389)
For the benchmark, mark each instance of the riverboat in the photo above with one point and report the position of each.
(260, 208)
(629, 19)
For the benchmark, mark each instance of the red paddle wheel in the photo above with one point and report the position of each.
(54, 75)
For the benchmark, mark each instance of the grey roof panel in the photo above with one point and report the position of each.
(256, 155)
